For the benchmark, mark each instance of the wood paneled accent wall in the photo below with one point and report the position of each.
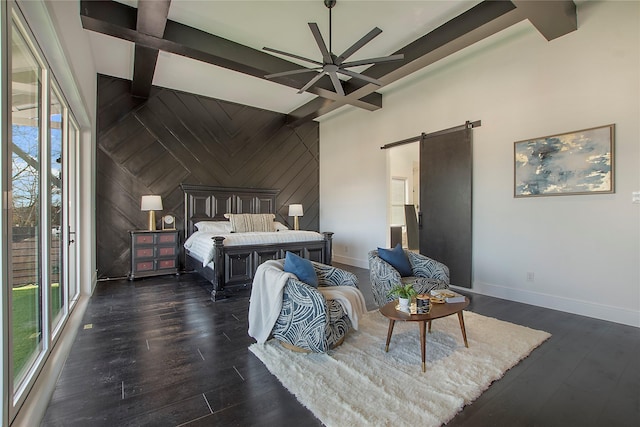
(150, 146)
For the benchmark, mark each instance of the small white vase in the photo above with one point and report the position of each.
(404, 302)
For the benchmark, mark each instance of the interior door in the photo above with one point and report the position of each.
(445, 201)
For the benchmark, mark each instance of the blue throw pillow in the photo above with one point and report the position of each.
(302, 268)
(397, 258)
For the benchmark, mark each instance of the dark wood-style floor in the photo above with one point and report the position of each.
(158, 352)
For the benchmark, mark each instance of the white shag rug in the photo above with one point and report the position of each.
(358, 384)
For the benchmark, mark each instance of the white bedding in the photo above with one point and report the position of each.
(200, 243)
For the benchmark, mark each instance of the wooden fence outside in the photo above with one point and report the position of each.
(24, 260)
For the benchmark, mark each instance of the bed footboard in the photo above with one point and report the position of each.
(235, 266)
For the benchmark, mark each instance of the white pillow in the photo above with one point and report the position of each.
(222, 227)
(280, 226)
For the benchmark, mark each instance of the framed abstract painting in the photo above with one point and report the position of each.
(578, 162)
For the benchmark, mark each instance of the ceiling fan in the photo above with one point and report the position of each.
(331, 64)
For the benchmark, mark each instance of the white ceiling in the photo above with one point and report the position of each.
(280, 25)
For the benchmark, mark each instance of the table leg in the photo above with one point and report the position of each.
(464, 332)
(391, 324)
(423, 343)
(429, 326)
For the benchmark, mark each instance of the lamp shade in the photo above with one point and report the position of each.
(296, 210)
(151, 203)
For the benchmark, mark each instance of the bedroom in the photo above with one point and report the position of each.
(573, 244)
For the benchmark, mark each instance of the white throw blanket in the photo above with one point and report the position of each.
(350, 299)
(267, 291)
(265, 303)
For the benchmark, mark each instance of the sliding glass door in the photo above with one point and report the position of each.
(39, 160)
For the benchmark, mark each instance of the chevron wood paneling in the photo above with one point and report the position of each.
(151, 146)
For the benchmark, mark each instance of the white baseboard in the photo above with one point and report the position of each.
(569, 305)
(351, 261)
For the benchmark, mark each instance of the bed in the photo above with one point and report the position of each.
(229, 260)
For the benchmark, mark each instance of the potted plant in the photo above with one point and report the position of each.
(404, 293)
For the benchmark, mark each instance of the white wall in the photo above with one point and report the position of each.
(584, 250)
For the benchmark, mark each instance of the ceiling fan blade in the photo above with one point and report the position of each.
(288, 73)
(311, 82)
(336, 83)
(326, 55)
(357, 45)
(397, 57)
(360, 76)
(268, 49)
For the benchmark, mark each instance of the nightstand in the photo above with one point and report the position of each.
(153, 253)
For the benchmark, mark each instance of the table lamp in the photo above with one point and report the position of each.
(295, 210)
(151, 204)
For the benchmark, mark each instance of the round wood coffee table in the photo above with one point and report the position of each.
(437, 311)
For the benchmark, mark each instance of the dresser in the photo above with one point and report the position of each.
(153, 253)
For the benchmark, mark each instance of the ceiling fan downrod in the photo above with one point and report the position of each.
(329, 4)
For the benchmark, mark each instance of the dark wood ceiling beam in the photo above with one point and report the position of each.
(144, 67)
(552, 19)
(196, 44)
(151, 20)
(119, 20)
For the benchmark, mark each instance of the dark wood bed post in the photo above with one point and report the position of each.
(328, 244)
(218, 262)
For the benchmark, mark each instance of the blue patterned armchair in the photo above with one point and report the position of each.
(427, 274)
(308, 322)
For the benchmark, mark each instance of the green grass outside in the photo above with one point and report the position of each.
(26, 328)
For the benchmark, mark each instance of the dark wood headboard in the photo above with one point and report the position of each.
(207, 203)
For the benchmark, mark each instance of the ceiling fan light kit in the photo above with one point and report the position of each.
(331, 64)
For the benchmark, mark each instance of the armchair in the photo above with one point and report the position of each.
(308, 322)
(427, 274)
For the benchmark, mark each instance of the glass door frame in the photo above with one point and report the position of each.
(15, 394)
(57, 322)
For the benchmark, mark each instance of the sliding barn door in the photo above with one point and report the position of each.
(445, 201)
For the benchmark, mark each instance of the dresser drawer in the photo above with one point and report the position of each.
(143, 253)
(167, 238)
(165, 251)
(144, 266)
(166, 263)
(143, 239)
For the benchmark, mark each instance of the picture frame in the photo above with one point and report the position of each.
(572, 163)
